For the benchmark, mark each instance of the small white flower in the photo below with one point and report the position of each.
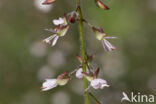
(79, 73)
(107, 45)
(99, 83)
(101, 35)
(58, 21)
(49, 84)
(59, 31)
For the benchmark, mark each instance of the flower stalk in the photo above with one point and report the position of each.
(97, 101)
(82, 49)
(85, 71)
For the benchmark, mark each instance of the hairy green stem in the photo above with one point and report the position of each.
(83, 54)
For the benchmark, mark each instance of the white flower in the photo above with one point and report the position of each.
(52, 37)
(107, 45)
(101, 35)
(49, 84)
(58, 21)
(79, 73)
(59, 31)
(99, 83)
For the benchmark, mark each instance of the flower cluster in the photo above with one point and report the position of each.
(84, 71)
(62, 79)
(62, 26)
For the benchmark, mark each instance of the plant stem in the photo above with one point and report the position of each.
(83, 54)
(94, 98)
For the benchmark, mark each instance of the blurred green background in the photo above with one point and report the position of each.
(25, 61)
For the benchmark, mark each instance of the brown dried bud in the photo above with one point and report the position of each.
(73, 17)
(79, 58)
(95, 29)
(101, 5)
(46, 2)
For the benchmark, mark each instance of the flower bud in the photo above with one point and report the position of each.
(48, 84)
(79, 58)
(99, 83)
(101, 5)
(63, 79)
(46, 2)
(73, 17)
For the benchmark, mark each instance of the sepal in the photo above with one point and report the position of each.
(63, 79)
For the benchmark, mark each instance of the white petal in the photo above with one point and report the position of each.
(55, 40)
(51, 30)
(79, 73)
(47, 40)
(107, 45)
(49, 84)
(58, 21)
(108, 37)
(99, 83)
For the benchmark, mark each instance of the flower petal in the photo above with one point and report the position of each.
(99, 83)
(55, 40)
(48, 40)
(107, 45)
(58, 21)
(79, 73)
(110, 37)
(51, 30)
(49, 84)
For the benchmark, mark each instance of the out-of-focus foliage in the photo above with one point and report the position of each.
(25, 61)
